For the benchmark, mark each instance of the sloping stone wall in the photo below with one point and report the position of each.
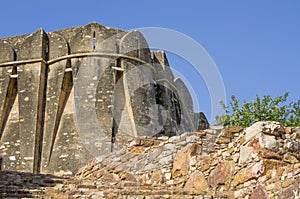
(109, 76)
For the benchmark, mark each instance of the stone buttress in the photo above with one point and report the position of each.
(71, 94)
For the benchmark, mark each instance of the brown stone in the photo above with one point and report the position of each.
(156, 177)
(268, 154)
(201, 133)
(226, 133)
(223, 140)
(182, 159)
(129, 177)
(268, 128)
(288, 130)
(110, 177)
(287, 183)
(137, 149)
(272, 164)
(251, 172)
(289, 158)
(196, 182)
(273, 187)
(221, 174)
(259, 193)
(234, 129)
(205, 167)
(289, 192)
(273, 128)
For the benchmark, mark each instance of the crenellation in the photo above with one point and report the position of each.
(7, 52)
(119, 88)
(33, 46)
(58, 46)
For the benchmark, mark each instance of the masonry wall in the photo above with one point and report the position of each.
(71, 94)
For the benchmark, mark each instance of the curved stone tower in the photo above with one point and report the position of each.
(71, 94)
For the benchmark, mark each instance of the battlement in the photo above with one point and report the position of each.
(71, 94)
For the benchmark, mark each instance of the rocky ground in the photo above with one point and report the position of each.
(262, 161)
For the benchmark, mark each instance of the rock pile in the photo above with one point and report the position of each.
(262, 161)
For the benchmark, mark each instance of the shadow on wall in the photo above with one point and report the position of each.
(25, 185)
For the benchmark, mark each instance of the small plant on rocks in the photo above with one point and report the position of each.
(260, 109)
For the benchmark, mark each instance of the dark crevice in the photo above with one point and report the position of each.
(94, 41)
(47, 52)
(41, 111)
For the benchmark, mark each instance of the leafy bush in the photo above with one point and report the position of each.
(265, 109)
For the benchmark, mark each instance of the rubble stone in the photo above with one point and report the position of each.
(173, 168)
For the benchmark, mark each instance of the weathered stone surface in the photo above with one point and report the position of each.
(234, 129)
(116, 84)
(126, 174)
(259, 193)
(221, 174)
(268, 142)
(223, 140)
(289, 158)
(251, 172)
(269, 128)
(245, 154)
(293, 146)
(182, 159)
(41, 132)
(196, 182)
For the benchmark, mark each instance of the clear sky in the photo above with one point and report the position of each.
(255, 44)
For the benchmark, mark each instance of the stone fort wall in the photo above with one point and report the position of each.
(73, 93)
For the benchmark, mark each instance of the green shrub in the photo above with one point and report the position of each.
(265, 109)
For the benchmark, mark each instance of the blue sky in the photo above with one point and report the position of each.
(255, 44)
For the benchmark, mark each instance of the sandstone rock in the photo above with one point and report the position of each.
(182, 159)
(289, 158)
(269, 128)
(288, 130)
(268, 154)
(251, 172)
(156, 177)
(264, 146)
(287, 183)
(137, 149)
(129, 177)
(110, 177)
(240, 193)
(268, 142)
(273, 187)
(245, 154)
(223, 140)
(202, 133)
(234, 129)
(251, 131)
(196, 182)
(259, 193)
(273, 128)
(290, 193)
(221, 174)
